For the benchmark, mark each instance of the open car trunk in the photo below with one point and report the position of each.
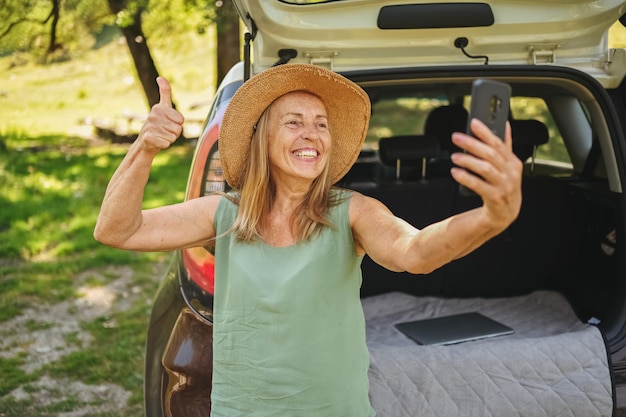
(556, 275)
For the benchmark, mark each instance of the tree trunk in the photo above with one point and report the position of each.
(55, 14)
(140, 52)
(228, 44)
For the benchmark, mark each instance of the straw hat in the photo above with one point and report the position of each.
(347, 105)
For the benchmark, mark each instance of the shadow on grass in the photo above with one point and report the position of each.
(50, 195)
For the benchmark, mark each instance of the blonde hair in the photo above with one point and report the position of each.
(257, 194)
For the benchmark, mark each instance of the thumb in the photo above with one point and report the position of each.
(165, 91)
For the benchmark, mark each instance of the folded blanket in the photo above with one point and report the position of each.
(553, 365)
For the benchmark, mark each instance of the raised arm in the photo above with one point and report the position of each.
(398, 246)
(122, 223)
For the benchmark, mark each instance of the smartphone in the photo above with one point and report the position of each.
(490, 104)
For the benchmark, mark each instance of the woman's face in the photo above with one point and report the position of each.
(299, 137)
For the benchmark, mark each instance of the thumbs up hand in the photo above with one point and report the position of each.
(164, 123)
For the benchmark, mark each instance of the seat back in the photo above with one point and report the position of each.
(408, 151)
(443, 121)
(527, 136)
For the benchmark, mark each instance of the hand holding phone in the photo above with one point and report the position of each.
(490, 104)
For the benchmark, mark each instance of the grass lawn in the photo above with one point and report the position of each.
(51, 190)
(73, 313)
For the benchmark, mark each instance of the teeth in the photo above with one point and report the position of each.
(307, 153)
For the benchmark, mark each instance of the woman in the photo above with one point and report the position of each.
(289, 333)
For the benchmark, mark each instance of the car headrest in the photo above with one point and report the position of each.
(526, 135)
(445, 120)
(410, 149)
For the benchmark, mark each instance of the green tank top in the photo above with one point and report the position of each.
(288, 329)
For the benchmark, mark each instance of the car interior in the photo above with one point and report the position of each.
(569, 206)
(562, 247)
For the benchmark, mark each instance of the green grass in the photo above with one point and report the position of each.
(12, 375)
(53, 175)
(101, 84)
(53, 189)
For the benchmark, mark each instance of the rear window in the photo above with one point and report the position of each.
(524, 108)
(400, 115)
(407, 115)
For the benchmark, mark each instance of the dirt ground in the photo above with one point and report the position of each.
(39, 336)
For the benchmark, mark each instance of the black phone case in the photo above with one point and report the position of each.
(490, 104)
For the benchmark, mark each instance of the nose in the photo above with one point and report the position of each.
(310, 131)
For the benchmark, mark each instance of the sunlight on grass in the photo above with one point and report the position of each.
(102, 84)
(53, 174)
(54, 185)
(55, 198)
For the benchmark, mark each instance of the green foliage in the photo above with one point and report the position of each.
(25, 25)
(166, 17)
(19, 21)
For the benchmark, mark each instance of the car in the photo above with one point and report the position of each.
(556, 276)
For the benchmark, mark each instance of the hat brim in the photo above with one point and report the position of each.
(347, 106)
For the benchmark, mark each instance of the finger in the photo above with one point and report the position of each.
(165, 91)
(481, 131)
(484, 143)
(508, 135)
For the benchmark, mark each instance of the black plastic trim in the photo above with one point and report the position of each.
(435, 16)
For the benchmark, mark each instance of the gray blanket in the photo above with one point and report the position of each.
(553, 365)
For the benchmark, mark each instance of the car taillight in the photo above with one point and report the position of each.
(214, 181)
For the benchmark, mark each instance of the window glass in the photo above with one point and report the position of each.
(535, 108)
(527, 108)
(396, 116)
(406, 114)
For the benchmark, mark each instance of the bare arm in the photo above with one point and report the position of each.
(122, 223)
(398, 246)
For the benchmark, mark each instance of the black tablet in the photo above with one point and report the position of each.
(452, 329)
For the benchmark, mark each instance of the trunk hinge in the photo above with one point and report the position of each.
(543, 53)
(321, 58)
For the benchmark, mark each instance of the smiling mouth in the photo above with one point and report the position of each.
(306, 153)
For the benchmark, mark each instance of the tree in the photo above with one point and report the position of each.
(226, 20)
(228, 39)
(16, 15)
(222, 14)
(55, 15)
(45, 26)
(42, 27)
(128, 14)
